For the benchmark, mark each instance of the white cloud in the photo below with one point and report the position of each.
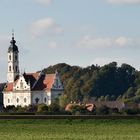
(40, 27)
(46, 2)
(52, 45)
(124, 1)
(121, 41)
(106, 42)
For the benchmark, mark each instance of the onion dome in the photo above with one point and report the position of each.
(13, 47)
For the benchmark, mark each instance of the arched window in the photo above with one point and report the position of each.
(25, 100)
(36, 100)
(16, 69)
(9, 57)
(45, 99)
(17, 100)
(10, 68)
(15, 57)
(8, 100)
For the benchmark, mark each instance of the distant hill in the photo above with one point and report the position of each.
(108, 82)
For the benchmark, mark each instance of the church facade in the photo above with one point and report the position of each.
(28, 88)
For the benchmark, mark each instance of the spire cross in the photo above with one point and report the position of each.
(13, 33)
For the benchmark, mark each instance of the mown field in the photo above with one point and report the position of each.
(69, 129)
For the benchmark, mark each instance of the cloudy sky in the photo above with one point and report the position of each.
(77, 32)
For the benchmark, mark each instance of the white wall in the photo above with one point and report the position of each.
(18, 98)
(41, 95)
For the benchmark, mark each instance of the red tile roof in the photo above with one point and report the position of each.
(37, 82)
(49, 80)
(8, 87)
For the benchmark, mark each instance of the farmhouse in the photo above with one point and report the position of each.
(28, 88)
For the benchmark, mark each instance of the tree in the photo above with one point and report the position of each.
(107, 98)
(130, 92)
(110, 81)
(103, 110)
(63, 101)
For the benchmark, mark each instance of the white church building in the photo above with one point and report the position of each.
(28, 88)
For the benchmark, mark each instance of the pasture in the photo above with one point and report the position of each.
(70, 129)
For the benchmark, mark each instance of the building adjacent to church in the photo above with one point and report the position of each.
(28, 88)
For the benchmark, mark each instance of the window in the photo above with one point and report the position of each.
(15, 57)
(8, 100)
(45, 99)
(9, 57)
(25, 100)
(21, 84)
(56, 83)
(17, 100)
(10, 68)
(16, 69)
(36, 100)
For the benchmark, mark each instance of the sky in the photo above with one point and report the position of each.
(76, 32)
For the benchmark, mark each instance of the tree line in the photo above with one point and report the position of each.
(104, 83)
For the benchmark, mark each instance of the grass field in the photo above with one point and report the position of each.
(69, 129)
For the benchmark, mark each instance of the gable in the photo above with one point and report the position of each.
(21, 84)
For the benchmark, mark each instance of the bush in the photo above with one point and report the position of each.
(20, 109)
(54, 107)
(10, 108)
(78, 109)
(31, 108)
(103, 110)
(42, 108)
(131, 111)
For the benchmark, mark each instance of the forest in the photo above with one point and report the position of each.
(103, 83)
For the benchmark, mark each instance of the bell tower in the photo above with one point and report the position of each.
(13, 61)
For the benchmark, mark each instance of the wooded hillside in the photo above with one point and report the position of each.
(109, 82)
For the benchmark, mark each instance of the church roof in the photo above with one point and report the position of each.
(38, 82)
(13, 47)
(2, 86)
(8, 87)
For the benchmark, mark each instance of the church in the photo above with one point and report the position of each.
(28, 88)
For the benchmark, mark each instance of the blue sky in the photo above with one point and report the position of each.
(77, 32)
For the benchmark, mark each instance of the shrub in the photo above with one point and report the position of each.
(78, 109)
(42, 108)
(103, 110)
(10, 108)
(31, 108)
(54, 107)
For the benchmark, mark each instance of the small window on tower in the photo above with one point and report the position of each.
(9, 57)
(9, 68)
(16, 69)
(16, 57)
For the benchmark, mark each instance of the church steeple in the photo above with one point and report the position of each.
(13, 61)
(13, 46)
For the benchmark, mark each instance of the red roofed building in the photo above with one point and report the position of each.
(28, 88)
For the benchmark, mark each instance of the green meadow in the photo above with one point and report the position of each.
(69, 129)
